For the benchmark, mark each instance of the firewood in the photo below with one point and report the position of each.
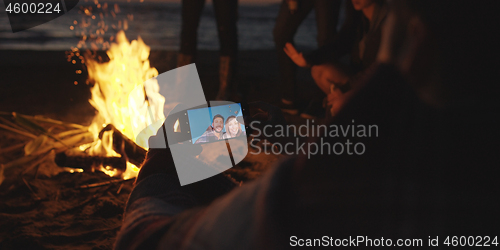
(61, 145)
(50, 121)
(33, 126)
(18, 131)
(88, 162)
(135, 153)
(12, 148)
(11, 124)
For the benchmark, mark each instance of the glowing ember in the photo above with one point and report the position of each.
(126, 95)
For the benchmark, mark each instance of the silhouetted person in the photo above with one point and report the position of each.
(358, 40)
(226, 16)
(292, 13)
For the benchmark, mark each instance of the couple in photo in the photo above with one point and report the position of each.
(214, 132)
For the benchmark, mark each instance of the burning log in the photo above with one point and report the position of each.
(128, 149)
(88, 162)
(135, 154)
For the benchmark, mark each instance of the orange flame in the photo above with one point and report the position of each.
(126, 94)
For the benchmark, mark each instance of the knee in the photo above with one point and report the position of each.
(320, 74)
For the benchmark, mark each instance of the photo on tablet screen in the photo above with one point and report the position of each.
(216, 123)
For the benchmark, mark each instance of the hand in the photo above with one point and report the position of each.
(160, 160)
(296, 57)
(335, 100)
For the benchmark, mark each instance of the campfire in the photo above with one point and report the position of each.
(126, 96)
(127, 99)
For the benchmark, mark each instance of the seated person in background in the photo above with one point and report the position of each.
(233, 128)
(291, 14)
(214, 131)
(359, 39)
